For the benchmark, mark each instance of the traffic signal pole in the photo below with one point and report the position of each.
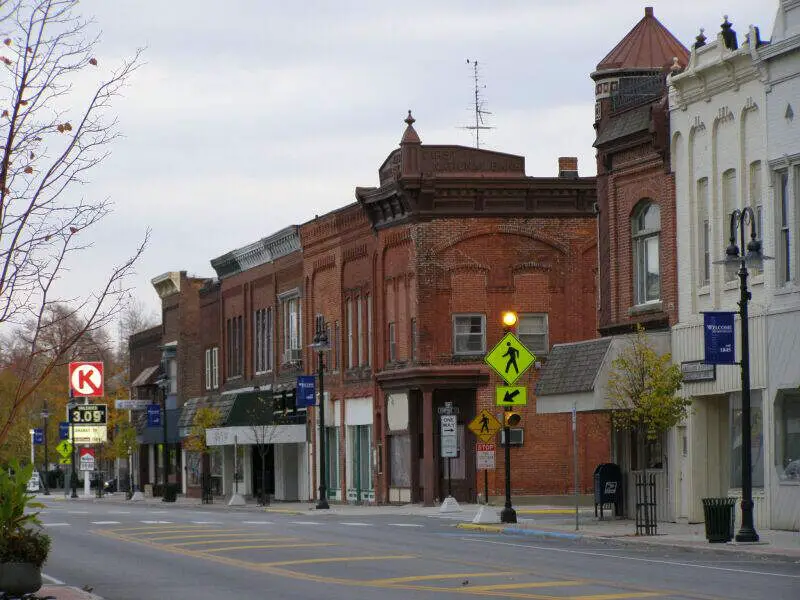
(508, 514)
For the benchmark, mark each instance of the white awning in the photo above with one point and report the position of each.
(250, 435)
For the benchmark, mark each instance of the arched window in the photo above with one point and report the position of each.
(646, 227)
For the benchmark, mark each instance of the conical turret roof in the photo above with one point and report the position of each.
(649, 45)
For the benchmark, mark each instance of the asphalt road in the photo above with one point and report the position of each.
(135, 552)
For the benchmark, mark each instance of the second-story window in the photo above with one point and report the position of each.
(646, 228)
(234, 347)
(262, 340)
(392, 338)
(290, 305)
(212, 368)
(369, 329)
(350, 334)
(413, 339)
(360, 330)
(784, 245)
(704, 232)
(469, 334)
(729, 204)
(532, 331)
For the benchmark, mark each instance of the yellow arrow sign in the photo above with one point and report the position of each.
(485, 426)
(511, 395)
(510, 358)
(64, 460)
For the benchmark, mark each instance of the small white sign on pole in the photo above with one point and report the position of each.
(449, 436)
(485, 456)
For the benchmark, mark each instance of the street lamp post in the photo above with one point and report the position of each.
(508, 514)
(321, 346)
(45, 416)
(740, 219)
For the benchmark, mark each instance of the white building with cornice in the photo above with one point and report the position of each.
(723, 131)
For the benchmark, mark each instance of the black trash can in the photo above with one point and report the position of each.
(719, 516)
(170, 493)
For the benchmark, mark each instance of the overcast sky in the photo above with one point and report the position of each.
(251, 115)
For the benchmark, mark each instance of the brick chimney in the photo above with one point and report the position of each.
(568, 167)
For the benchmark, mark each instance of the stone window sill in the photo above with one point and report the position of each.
(643, 309)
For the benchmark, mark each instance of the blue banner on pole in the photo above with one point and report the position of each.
(719, 335)
(306, 391)
(38, 436)
(63, 430)
(153, 415)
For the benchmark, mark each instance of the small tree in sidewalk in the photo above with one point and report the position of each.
(206, 417)
(264, 416)
(642, 390)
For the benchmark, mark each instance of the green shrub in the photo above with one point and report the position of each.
(25, 546)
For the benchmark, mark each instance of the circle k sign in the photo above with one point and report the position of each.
(86, 378)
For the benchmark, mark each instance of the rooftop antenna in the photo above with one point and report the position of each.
(479, 104)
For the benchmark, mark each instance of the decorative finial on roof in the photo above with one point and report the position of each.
(701, 39)
(410, 135)
(729, 35)
(648, 11)
(676, 66)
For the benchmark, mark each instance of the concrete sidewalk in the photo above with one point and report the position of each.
(64, 592)
(535, 520)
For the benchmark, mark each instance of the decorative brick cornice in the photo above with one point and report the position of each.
(353, 253)
(326, 262)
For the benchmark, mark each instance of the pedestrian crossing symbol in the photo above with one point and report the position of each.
(510, 358)
(485, 426)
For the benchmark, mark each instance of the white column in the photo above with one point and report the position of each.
(185, 471)
(151, 459)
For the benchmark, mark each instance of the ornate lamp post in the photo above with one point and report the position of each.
(45, 414)
(740, 219)
(321, 346)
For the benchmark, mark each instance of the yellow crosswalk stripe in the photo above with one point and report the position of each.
(521, 585)
(413, 578)
(308, 561)
(206, 535)
(244, 539)
(620, 596)
(256, 547)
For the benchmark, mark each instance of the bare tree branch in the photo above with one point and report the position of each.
(50, 144)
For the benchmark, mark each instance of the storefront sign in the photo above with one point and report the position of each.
(718, 332)
(697, 370)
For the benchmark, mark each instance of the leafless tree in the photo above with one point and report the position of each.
(133, 318)
(51, 138)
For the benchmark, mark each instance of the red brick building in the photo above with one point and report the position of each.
(166, 368)
(408, 285)
(637, 257)
(463, 234)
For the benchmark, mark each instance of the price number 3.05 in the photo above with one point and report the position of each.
(90, 414)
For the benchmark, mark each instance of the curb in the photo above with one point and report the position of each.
(723, 549)
(544, 533)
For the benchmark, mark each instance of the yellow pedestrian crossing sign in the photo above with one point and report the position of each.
(510, 358)
(485, 426)
(511, 395)
(64, 448)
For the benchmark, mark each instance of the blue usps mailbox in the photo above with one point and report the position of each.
(306, 393)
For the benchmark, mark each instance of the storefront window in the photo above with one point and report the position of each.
(400, 460)
(787, 435)
(756, 439)
(194, 468)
